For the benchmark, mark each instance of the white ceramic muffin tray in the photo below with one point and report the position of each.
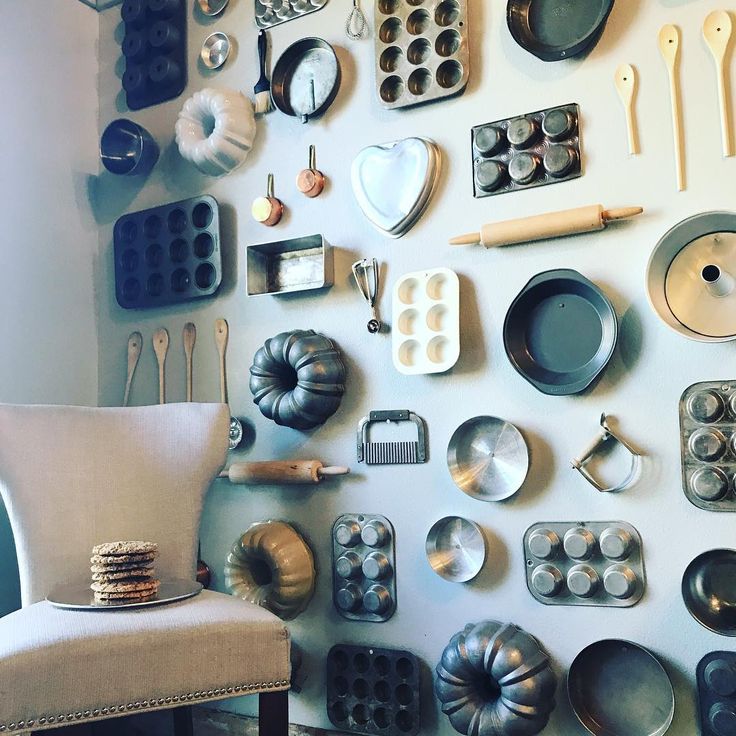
(426, 321)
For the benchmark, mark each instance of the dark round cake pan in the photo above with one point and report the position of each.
(709, 590)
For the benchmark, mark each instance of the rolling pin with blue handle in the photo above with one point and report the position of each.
(551, 225)
(281, 472)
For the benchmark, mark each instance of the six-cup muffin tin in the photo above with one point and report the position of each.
(421, 50)
(708, 444)
(168, 254)
(528, 151)
(584, 563)
(372, 690)
(272, 12)
(716, 677)
(363, 567)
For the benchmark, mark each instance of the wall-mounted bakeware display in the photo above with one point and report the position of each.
(591, 563)
(363, 567)
(393, 183)
(422, 52)
(456, 549)
(494, 679)
(270, 13)
(373, 690)
(691, 282)
(626, 82)
(560, 332)
(529, 151)
(398, 452)
(554, 30)
(155, 49)
(716, 677)
(306, 79)
(669, 46)
(708, 444)
(168, 254)
(717, 30)
(127, 148)
(618, 688)
(426, 321)
(215, 50)
(488, 458)
(367, 277)
(709, 590)
(297, 379)
(281, 472)
(286, 266)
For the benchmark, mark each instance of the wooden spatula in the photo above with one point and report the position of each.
(717, 30)
(189, 336)
(626, 84)
(161, 347)
(135, 345)
(669, 47)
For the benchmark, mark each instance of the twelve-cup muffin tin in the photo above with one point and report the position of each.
(155, 49)
(373, 690)
(708, 444)
(716, 677)
(272, 12)
(584, 563)
(421, 50)
(426, 321)
(529, 151)
(363, 567)
(168, 254)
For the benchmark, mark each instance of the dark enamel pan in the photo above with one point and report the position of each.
(709, 590)
(553, 30)
(560, 332)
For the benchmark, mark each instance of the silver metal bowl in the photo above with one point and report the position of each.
(215, 50)
(709, 590)
(212, 7)
(456, 549)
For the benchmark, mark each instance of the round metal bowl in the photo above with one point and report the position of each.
(215, 50)
(212, 7)
(488, 458)
(456, 549)
(709, 590)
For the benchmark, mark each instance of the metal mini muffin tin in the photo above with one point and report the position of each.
(168, 254)
(363, 567)
(527, 151)
(584, 563)
(270, 13)
(373, 690)
(716, 678)
(421, 50)
(708, 444)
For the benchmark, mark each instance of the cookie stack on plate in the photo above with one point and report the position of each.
(123, 573)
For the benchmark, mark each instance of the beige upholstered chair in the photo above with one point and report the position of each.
(73, 477)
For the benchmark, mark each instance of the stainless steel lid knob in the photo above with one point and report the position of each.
(348, 565)
(722, 719)
(374, 534)
(547, 580)
(583, 581)
(522, 132)
(348, 598)
(615, 543)
(544, 544)
(377, 599)
(347, 534)
(523, 168)
(579, 543)
(558, 125)
(720, 677)
(619, 581)
(376, 566)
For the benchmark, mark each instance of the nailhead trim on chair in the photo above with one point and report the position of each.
(99, 713)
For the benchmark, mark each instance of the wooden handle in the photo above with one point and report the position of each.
(189, 336)
(221, 338)
(621, 213)
(135, 346)
(161, 347)
(669, 47)
(469, 239)
(717, 30)
(626, 85)
(280, 472)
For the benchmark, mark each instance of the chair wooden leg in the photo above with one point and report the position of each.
(273, 713)
(183, 721)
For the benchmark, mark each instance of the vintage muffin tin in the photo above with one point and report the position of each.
(716, 677)
(155, 49)
(363, 567)
(528, 151)
(272, 12)
(708, 444)
(168, 254)
(373, 690)
(421, 50)
(579, 563)
(426, 321)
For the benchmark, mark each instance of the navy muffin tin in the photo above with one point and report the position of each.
(168, 254)
(155, 49)
(716, 675)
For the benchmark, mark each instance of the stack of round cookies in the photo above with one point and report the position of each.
(122, 572)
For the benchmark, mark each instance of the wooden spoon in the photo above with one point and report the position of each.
(626, 84)
(189, 336)
(717, 30)
(135, 345)
(221, 338)
(161, 347)
(669, 47)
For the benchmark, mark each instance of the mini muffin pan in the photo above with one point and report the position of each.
(363, 567)
(708, 444)
(155, 49)
(529, 151)
(426, 321)
(581, 563)
(372, 690)
(421, 50)
(273, 12)
(168, 254)
(716, 677)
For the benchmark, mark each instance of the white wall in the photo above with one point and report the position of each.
(48, 143)
(641, 387)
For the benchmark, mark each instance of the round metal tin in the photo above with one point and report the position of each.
(81, 598)
(215, 50)
(456, 549)
(709, 590)
(212, 7)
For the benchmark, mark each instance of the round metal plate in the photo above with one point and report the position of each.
(488, 458)
(456, 549)
(81, 598)
(215, 50)
(709, 590)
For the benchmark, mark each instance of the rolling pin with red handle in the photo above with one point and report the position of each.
(281, 472)
(551, 225)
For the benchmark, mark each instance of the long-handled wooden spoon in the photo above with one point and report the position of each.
(135, 345)
(189, 336)
(161, 347)
(669, 47)
(221, 338)
(626, 84)
(717, 30)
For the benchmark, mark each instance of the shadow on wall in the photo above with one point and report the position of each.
(9, 582)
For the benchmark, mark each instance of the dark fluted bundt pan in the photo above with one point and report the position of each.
(297, 379)
(494, 679)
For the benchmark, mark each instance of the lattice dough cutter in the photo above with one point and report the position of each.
(392, 453)
(595, 446)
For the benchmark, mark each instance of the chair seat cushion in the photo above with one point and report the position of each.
(60, 665)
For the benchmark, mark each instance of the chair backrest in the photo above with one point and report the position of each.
(72, 477)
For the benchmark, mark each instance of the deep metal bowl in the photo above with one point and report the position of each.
(456, 549)
(709, 590)
(212, 7)
(215, 50)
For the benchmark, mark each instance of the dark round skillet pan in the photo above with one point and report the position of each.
(709, 590)
(553, 30)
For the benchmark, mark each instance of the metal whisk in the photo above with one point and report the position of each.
(365, 272)
(356, 25)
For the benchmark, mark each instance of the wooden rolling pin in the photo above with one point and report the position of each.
(551, 225)
(281, 472)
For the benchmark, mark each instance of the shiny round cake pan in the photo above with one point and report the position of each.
(215, 50)
(212, 7)
(709, 590)
(456, 549)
